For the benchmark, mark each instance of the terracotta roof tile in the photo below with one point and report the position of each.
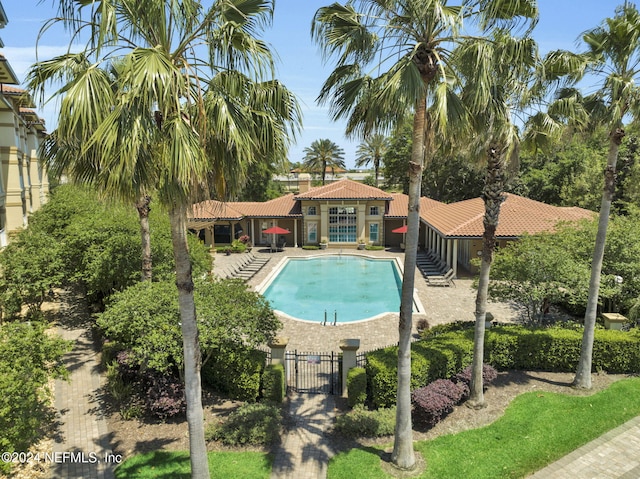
(344, 189)
(226, 211)
(399, 206)
(518, 215)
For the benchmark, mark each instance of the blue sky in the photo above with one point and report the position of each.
(300, 65)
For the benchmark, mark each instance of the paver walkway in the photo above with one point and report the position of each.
(615, 454)
(305, 450)
(82, 443)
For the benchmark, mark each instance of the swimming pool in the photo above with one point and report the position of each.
(348, 288)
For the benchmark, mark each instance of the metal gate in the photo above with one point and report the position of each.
(316, 373)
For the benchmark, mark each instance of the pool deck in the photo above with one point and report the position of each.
(441, 305)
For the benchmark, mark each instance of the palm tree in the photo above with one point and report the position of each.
(496, 89)
(177, 123)
(63, 156)
(371, 151)
(392, 58)
(322, 155)
(613, 55)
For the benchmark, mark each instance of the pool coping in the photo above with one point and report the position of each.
(266, 282)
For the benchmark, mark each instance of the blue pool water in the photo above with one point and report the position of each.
(351, 287)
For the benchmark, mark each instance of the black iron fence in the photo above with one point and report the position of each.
(311, 372)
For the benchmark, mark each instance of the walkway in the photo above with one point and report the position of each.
(305, 451)
(615, 454)
(82, 429)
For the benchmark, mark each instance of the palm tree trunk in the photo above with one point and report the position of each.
(142, 205)
(403, 455)
(376, 168)
(191, 344)
(493, 198)
(583, 373)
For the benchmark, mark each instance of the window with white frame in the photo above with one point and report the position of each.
(342, 224)
(374, 211)
(373, 232)
(312, 232)
(311, 211)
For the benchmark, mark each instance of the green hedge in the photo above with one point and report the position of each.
(558, 349)
(506, 347)
(273, 383)
(438, 358)
(356, 387)
(235, 373)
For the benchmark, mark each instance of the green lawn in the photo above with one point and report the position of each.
(175, 465)
(536, 429)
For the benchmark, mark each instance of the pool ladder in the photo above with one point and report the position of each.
(335, 318)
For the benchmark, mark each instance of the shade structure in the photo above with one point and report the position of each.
(402, 229)
(276, 230)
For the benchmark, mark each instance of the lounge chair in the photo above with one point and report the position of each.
(444, 280)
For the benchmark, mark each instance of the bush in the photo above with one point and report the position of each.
(489, 374)
(29, 359)
(274, 387)
(558, 349)
(235, 373)
(363, 423)
(430, 407)
(438, 358)
(250, 424)
(357, 386)
(165, 396)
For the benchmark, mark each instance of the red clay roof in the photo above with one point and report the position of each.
(345, 189)
(400, 205)
(518, 215)
(226, 211)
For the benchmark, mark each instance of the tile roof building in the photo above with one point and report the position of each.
(23, 182)
(345, 213)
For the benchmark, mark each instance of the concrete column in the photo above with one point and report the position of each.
(278, 346)
(349, 348)
(295, 232)
(455, 258)
(324, 223)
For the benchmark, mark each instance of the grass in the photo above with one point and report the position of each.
(175, 465)
(536, 429)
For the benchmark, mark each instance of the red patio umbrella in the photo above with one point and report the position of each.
(402, 229)
(276, 230)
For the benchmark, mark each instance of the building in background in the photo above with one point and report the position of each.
(23, 182)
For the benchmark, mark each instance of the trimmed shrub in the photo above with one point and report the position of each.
(250, 424)
(165, 396)
(356, 387)
(235, 373)
(453, 390)
(558, 349)
(363, 423)
(463, 378)
(274, 386)
(430, 407)
(438, 358)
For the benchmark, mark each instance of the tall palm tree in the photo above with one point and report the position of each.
(178, 123)
(63, 156)
(613, 55)
(496, 89)
(371, 151)
(394, 57)
(322, 155)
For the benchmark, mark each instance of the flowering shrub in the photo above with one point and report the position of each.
(244, 239)
(165, 396)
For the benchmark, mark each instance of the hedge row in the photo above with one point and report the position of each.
(438, 358)
(558, 349)
(506, 347)
(235, 373)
